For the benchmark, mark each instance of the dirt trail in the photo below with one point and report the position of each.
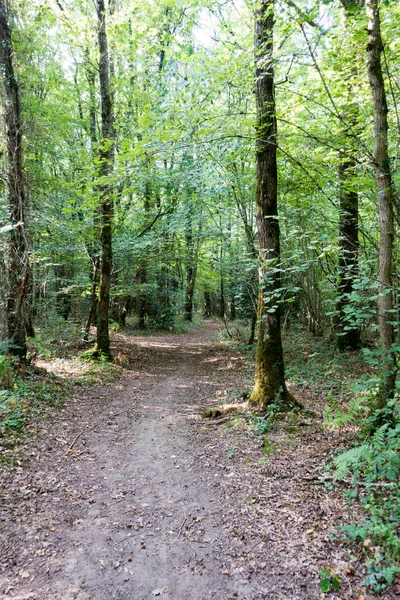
(152, 502)
(127, 514)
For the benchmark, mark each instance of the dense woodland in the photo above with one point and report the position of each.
(233, 159)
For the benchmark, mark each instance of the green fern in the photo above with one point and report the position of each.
(351, 460)
(336, 416)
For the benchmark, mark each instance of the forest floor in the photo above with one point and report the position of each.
(128, 493)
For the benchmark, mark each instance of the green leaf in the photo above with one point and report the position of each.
(335, 582)
(325, 585)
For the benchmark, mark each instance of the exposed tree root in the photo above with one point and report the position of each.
(216, 412)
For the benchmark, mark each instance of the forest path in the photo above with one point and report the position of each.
(127, 513)
(128, 494)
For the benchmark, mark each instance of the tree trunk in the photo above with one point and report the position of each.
(192, 246)
(270, 373)
(142, 274)
(93, 297)
(106, 158)
(207, 305)
(385, 200)
(17, 261)
(141, 279)
(93, 248)
(347, 338)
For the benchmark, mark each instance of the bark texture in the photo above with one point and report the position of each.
(106, 156)
(17, 260)
(142, 273)
(270, 371)
(93, 248)
(348, 338)
(192, 249)
(385, 199)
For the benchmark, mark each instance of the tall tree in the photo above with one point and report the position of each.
(348, 336)
(93, 248)
(385, 199)
(270, 372)
(17, 261)
(106, 159)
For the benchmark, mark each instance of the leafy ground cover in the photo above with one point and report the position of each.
(364, 460)
(28, 392)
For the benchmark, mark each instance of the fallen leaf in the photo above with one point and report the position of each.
(24, 574)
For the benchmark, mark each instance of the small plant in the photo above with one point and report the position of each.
(40, 347)
(379, 576)
(329, 580)
(13, 411)
(262, 423)
(231, 453)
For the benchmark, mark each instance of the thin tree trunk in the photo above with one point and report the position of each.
(141, 278)
(17, 261)
(253, 284)
(142, 274)
(207, 304)
(348, 338)
(193, 246)
(252, 254)
(221, 284)
(93, 298)
(270, 372)
(385, 200)
(93, 248)
(106, 156)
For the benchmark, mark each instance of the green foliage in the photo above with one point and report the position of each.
(94, 354)
(263, 424)
(373, 466)
(329, 581)
(377, 459)
(13, 411)
(21, 396)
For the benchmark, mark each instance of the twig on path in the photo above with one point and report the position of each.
(219, 421)
(349, 584)
(250, 551)
(182, 526)
(113, 415)
(128, 537)
(82, 452)
(79, 435)
(321, 480)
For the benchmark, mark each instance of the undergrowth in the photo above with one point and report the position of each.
(371, 471)
(369, 464)
(153, 327)
(23, 395)
(28, 390)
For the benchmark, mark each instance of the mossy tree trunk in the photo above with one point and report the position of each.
(385, 201)
(18, 269)
(270, 372)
